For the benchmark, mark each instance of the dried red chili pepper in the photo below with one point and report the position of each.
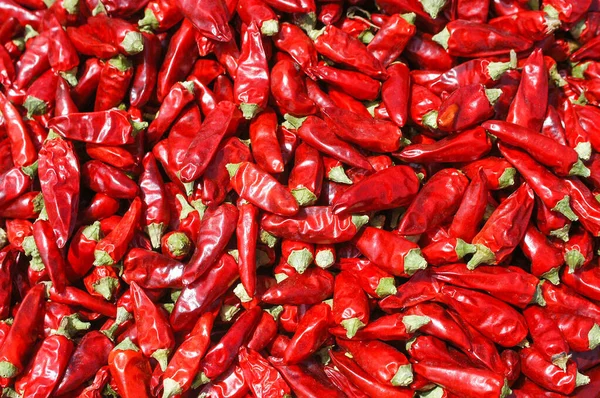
(466, 107)
(16, 180)
(22, 148)
(310, 334)
(546, 259)
(583, 280)
(310, 287)
(130, 370)
(95, 127)
(549, 376)
(372, 279)
(288, 88)
(50, 253)
(216, 228)
(263, 139)
(355, 84)
(584, 205)
(547, 338)
(112, 247)
(350, 305)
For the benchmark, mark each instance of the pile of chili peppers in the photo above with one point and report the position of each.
(309, 198)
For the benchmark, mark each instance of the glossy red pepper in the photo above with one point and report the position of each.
(130, 370)
(546, 259)
(550, 376)
(263, 139)
(288, 88)
(355, 84)
(547, 338)
(110, 127)
(50, 253)
(310, 287)
(113, 247)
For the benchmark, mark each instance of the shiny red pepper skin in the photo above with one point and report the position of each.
(429, 209)
(559, 298)
(209, 18)
(17, 180)
(152, 270)
(391, 39)
(372, 279)
(110, 127)
(583, 280)
(311, 287)
(466, 107)
(130, 370)
(247, 236)
(310, 334)
(547, 338)
(546, 259)
(350, 304)
(113, 247)
(114, 82)
(50, 253)
(288, 88)
(297, 44)
(365, 381)
(306, 177)
(198, 296)
(146, 71)
(546, 374)
(216, 228)
(23, 333)
(263, 138)
(303, 382)
(260, 376)
(584, 205)
(204, 146)
(355, 84)
(22, 148)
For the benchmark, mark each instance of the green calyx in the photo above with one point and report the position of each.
(8, 392)
(497, 69)
(366, 36)
(300, 260)
(186, 208)
(71, 325)
(268, 239)
(493, 94)
(579, 169)
(412, 323)
(577, 29)
(433, 7)
(249, 110)
(8, 370)
(561, 360)
(275, 312)
(579, 69)
(403, 377)
(280, 277)
(106, 287)
(483, 255)
(199, 206)
(436, 392)
(3, 238)
(189, 86)
(235, 253)
(303, 196)
(378, 221)
(352, 325)
(359, 220)
(556, 78)
(429, 120)
(179, 244)
(584, 150)
(30, 170)
(538, 296)
(121, 63)
(149, 23)
(31, 250)
(270, 27)
(72, 6)
(38, 203)
(171, 388)
(292, 123)
(30, 33)
(155, 232)
(442, 38)
(242, 294)
(552, 276)
(506, 391)
(581, 380)
(338, 174)
(409, 17)
(306, 21)
(162, 357)
(594, 336)
(138, 126)
(414, 261)
(574, 260)
(386, 287)
(34, 106)
(200, 380)
(99, 9)
(562, 233)
(324, 259)
(126, 345)
(102, 258)
(507, 178)
(563, 207)
(232, 168)
(463, 248)
(228, 311)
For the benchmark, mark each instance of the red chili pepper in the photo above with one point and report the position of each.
(577, 137)
(560, 298)
(247, 235)
(447, 251)
(16, 180)
(204, 146)
(40, 96)
(551, 190)
(470, 39)
(209, 18)
(580, 332)
(350, 305)
(108, 180)
(87, 360)
(113, 247)
(251, 86)
(176, 245)
(156, 218)
(585, 205)
(7, 265)
(288, 88)
(23, 333)
(49, 252)
(261, 377)
(547, 338)
(130, 370)
(306, 177)
(103, 281)
(372, 279)
(464, 381)
(392, 38)
(87, 82)
(365, 381)
(34, 61)
(303, 382)
(432, 350)
(546, 259)
(16, 231)
(294, 42)
(160, 15)
(467, 107)
(198, 296)
(310, 287)
(549, 376)
(22, 148)
(216, 228)
(583, 280)
(355, 84)
(115, 78)
(263, 138)
(430, 208)
(151, 270)
(95, 127)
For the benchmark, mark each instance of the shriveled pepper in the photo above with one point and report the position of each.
(130, 370)
(113, 247)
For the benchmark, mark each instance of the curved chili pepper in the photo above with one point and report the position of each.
(263, 138)
(532, 25)
(130, 370)
(216, 228)
(34, 61)
(49, 252)
(185, 363)
(310, 287)
(198, 296)
(88, 358)
(262, 190)
(160, 15)
(7, 266)
(372, 279)
(108, 180)
(549, 188)
(355, 84)
(22, 148)
(152, 270)
(306, 177)
(430, 207)
(454, 114)
(583, 281)
(581, 333)
(101, 206)
(546, 259)
(181, 94)
(260, 376)
(365, 381)
(494, 319)
(303, 382)
(471, 40)
(257, 11)
(114, 82)
(251, 86)
(247, 235)
(203, 147)
(21, 338)
(429, 349)
(445, 251)
(146, 71)
(577, 137)
(289, 89)
(16, 181)
(392, 38)
(350, 305)
(110, 127)
(209, 18)
(156, 216)
(76, 297)
(102, 281)
(40, 96)
(468, 382)
(547, 338)
(113, 247)
(504, 229)
(584, 205)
